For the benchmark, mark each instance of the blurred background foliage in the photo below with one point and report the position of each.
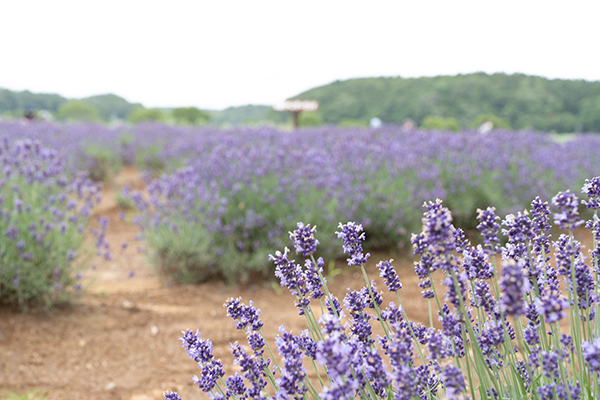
(509, 101)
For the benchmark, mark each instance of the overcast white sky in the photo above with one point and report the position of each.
(215, 54)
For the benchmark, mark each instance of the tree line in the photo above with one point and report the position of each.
(520, 101)
(515, 101)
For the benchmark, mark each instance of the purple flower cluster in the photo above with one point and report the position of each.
(514, 286)
(304, 283)
(388, 273)
(352, 236)
(592, 189)
(245, 316)
(489, 227)
(291, 383)
(200, 351)
(304, 239)
(567, 203)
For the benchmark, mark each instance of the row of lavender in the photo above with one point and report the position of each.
(44, 213)
(232, 203)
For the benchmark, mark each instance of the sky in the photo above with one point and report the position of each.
(217, 54)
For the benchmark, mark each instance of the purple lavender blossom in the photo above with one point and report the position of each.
(352, 237)
(540, 215)
(489, 229)
(293, 374)
(336, 309)
(591, 354)
(356, 301)
(336, 354)
(513, 285)
(256, 343)
(243, 315)
(438, 231)
(289, 273)
(565, 250)
(314, 283)
(210, 374)
(372, 365)
(591, 188)
(388, 273)
(551, 306)
(594, 226)
(172, 396)
(235, 387)
(477, 264)
(199, 350)
(361, 328)
(567, 203)
(453, 380)
(253, 369)
(304, 239)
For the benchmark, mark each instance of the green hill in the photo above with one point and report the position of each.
(109, 106)
(524, 101)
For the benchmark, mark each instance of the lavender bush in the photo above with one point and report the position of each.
(44, 213)
(525, 329)
(222, 213)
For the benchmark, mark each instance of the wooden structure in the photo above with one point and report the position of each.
(297, 106)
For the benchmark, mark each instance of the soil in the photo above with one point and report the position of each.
(120, 340)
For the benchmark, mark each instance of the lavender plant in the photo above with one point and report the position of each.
(43, 215)
(512, 324)
(223, 212)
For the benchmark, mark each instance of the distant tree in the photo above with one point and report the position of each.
(77, 110)
(190, 116)
(440, 123)
(111, 106)
(590, 114)
(308, 119)
(146, 114)
(499, 123)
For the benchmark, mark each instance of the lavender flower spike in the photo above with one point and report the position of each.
(569, 216)
(304, 239)
(591, 187)
(172, 396)
(489, 227)
(388, 273)
(591, 354)
(514, 285)
(352, 237)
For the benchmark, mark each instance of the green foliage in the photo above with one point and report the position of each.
(17, 102)
(353, 123)
(77, 110)
(440, 123)
(499, 123)
(110, 106)
(590, 114)
(29, 395)
(308, 119)
(190, 116)
(146, 115)
(100, 162)
(522, 101)
(249, 114)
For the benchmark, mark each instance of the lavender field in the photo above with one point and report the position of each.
(219, 201)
